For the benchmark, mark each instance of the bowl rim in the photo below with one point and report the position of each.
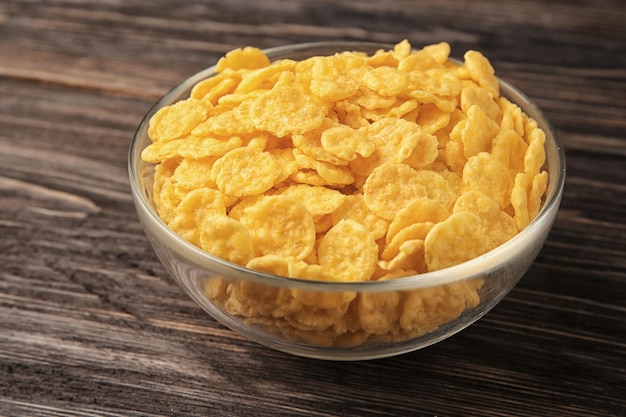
(480, 266)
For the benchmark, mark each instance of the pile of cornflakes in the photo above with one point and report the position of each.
(348, 167)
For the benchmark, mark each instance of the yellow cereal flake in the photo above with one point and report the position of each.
(318, 201)
(409, 255)
(501, 227)
(205, 87)
(415, 212)
(478, 133)
(391, 187)
(264, 77)
(177, 120)
(286, 110)
(507, 147)
(431, 118)
(477, 96)
(348, 251)
(190, 213)
(226, 238)
(245, 171)
(354, 208)
(281, 226)
(482, 72)
(457, 239)
(386, 81)
(192, 147)
(246, 58)
(535, 155)
(519, 201)
(485, 173)
(346, 143)
(379, 312)
(537, 191)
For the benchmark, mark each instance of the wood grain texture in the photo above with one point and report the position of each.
(90, 323)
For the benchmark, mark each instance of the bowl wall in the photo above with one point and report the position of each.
(444, 301)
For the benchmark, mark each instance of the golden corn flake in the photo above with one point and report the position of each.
(457, 239)
(391, 187)
(501, 227)
(354, 208)
(246, 58)
(482, 72)
(318, 201)
(226, 238)
(348, 251)
(485, 173)
(190, 213)
(286, 110)
(347, 168)
(280, 225)
(478, 133)
(177, 120)
(346, 143)
(190, 147)
(245, 171)
(418, 211)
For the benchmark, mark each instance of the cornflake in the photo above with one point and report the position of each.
(347, 168)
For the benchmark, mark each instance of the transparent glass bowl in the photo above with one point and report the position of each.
(442, 302)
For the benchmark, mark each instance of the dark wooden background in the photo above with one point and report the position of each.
(91, 325)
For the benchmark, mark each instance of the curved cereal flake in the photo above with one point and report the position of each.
(190, 213)
(438, 51)
(272, 264)
(226, 238)
(386, 81)
(509, 147)
(537, 190)
(280, 225)
(318, 201)
(485, 173)
(354, 208)
(519, 201)
(265, 77)
(457, 239)
(417, 211)
(346, 143)
(246, 58)
(379, 312)
(390, 187)
(318, 299)
(245, 171)
(482, 72)
(500, 226)
(348, 251)
(437, 187)
(395, 139)
(414, 231)
(190, 147)
(177, 120)
(204, 87)
(408, 256)
(535, 155)
(431, 118)
(286, 110)
(234, 121)
(478, 133)
(474, 95)
(192, 174)
(332, 175)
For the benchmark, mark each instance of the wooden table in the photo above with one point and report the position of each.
(90, 323)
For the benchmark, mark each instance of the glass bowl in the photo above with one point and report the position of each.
(436, 305)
